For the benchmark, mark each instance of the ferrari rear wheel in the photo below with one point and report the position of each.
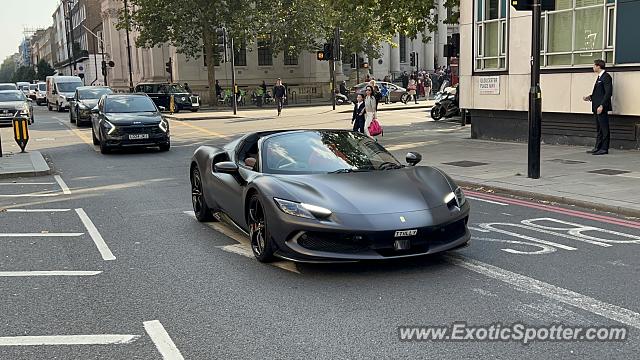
(261, 244)
(200, 208)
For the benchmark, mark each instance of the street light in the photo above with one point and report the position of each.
(104, 73)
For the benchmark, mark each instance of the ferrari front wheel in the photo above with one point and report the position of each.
(261, 244)
(201, 210)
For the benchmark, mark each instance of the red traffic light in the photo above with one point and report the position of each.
(320, 55)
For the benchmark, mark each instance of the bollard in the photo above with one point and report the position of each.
(172, 104)
(21, 131)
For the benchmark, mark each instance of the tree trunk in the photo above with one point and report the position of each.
(209, 44)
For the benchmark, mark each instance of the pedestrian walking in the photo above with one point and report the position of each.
(358, 118)
(405, 79)
(412, 89)
(187, 88)
(427, 86)
(280, 93)
(600, 106)
(218, 90)
(370, 106)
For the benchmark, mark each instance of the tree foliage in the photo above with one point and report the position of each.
(7, 69)
(43, 69)
(24, 73)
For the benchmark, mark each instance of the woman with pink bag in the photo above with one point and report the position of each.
(371, 125)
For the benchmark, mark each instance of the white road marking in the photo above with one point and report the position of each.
(525, 283)
(95, 235)
(27, 183)
(487, 201)
(47, 273)
(162, 340)
(28, 195)
(63, 185)
(40, 234)
(544, 249)
(35, 210)
(491, 227)
(105, 339)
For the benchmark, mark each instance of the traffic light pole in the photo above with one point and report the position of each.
(233, 75)
(535, 97)
(126, 15)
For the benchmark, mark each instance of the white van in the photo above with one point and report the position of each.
(60, 90)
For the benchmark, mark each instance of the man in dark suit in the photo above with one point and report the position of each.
(600, 106)
(358, 114)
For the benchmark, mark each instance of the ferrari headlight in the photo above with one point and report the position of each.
(164, 125)
(460, 198)
(301, 209)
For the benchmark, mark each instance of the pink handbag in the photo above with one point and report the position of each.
(375, 128)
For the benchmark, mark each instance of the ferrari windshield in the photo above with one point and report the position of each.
(324, 151)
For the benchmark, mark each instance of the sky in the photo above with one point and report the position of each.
(16, 14)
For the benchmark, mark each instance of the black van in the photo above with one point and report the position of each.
(161, 94)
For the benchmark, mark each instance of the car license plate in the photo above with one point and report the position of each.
(138, 136)
(403, 233)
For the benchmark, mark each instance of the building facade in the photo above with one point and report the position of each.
(42, 46)
(495, 69)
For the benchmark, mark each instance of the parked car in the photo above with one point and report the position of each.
(8, 86)
(396, 93)
(60, 90)
(41, 93)
(84, 99)
(328, 195)
(14, 103)
(128, 120)
(161, 94)
(21, 86)
(32, 91)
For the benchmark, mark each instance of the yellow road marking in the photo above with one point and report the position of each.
(201, 129)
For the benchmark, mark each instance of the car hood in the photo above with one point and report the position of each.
(375, 192)
(12, 104)
(90, 103)
(67, 94)
(133, 118)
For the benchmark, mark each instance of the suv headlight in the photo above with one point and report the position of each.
(110, 127)
(301, 209)
(164, 125)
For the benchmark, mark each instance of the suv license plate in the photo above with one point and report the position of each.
(138, 136)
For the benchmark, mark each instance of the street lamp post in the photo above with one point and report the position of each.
(535, 98)
(69, 18)
(126, 16)
(101, 41)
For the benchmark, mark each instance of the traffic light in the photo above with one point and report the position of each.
(455, 44)
(412, 58)
(221, 42)
(168, 66)
(320, 55)
(327, 49)
(338, 44)
(527, 5)
(104, 68)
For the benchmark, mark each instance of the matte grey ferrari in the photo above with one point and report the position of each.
(327, 195)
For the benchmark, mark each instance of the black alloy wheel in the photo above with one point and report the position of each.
(258, 233)
(437, 112)
(93, 135)
(201, 210)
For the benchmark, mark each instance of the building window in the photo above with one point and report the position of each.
(491, 35)
(403, 48)
(265, 54)
(290, 57)
(240, 55)
(578, 32)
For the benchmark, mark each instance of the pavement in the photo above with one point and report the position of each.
(17, 164)
(104, 260)
(252, 111)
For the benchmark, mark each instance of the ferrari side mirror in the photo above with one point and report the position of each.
(413, 158)
(226, 167)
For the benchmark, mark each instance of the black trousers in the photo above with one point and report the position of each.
(604, 137)
(358, 125)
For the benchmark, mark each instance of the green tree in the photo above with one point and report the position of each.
(24, 73)
(43, 69)
(7, 69)
(190, 26)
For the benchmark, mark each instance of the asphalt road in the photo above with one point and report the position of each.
(106, 259)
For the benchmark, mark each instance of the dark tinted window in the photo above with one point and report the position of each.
(12, 96)
(93, 93)
(7, 87)
(129, 104)
(42, 87)
(322, 152)
(68, 86)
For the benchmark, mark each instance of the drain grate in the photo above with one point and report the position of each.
(465, 163)
(609, 172)
(568, 162)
